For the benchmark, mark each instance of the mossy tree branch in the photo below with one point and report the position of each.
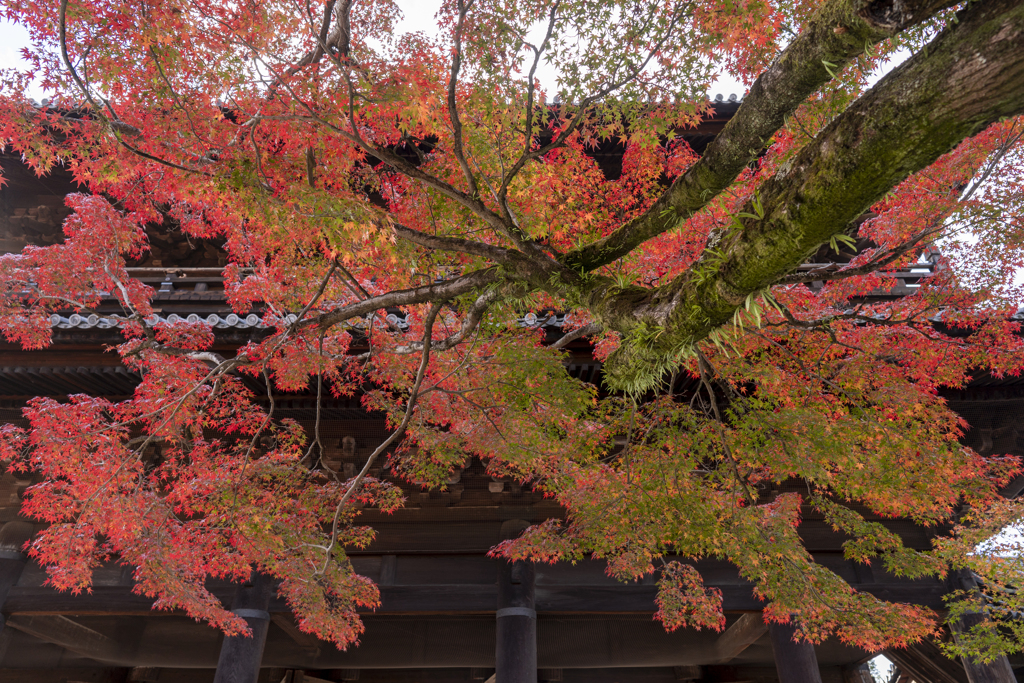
(840, 32)
(970, 76)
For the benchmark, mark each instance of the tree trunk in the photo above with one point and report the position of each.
(839, 32)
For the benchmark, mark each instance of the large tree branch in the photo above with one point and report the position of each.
(585, 331)
(439, 291)
(968, 77)
(471, 202)
(489, 251)
(528, 270)
(317, 53)
(839, 32)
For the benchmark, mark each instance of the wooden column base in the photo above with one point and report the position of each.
(795, 661)
(515, 654)
(996, 671)
(240, 656)
(516, 651)
(12, 563)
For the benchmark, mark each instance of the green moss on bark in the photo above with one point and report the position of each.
(968, 77)
(840, 32)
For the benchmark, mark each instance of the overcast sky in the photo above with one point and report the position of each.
(419, 16)
(12, 38)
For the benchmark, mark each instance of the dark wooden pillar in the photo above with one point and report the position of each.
(516, 647)
(516, 651)
(11, 564)
(996, 671)
(795, 661)
(240, 656)
(13, 536)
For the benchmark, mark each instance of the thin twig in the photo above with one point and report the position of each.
(453, 110)
(705, 378)
(410, 405)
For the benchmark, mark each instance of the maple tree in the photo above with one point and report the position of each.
(351, 171)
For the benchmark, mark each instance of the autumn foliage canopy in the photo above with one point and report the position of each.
(351, 171)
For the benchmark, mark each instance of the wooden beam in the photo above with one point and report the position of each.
(453, 598)
(794, 660)
(996, 671)
(744, 632)
(925, 663)
(286, 622)
(300, 676)
(688, 673)
(68, 634)
(65, 675)
(101, 600)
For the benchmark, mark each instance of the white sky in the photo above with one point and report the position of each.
(12, 39)
(418, 16)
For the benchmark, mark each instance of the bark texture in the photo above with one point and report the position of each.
(970, 76)
(840, 32)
